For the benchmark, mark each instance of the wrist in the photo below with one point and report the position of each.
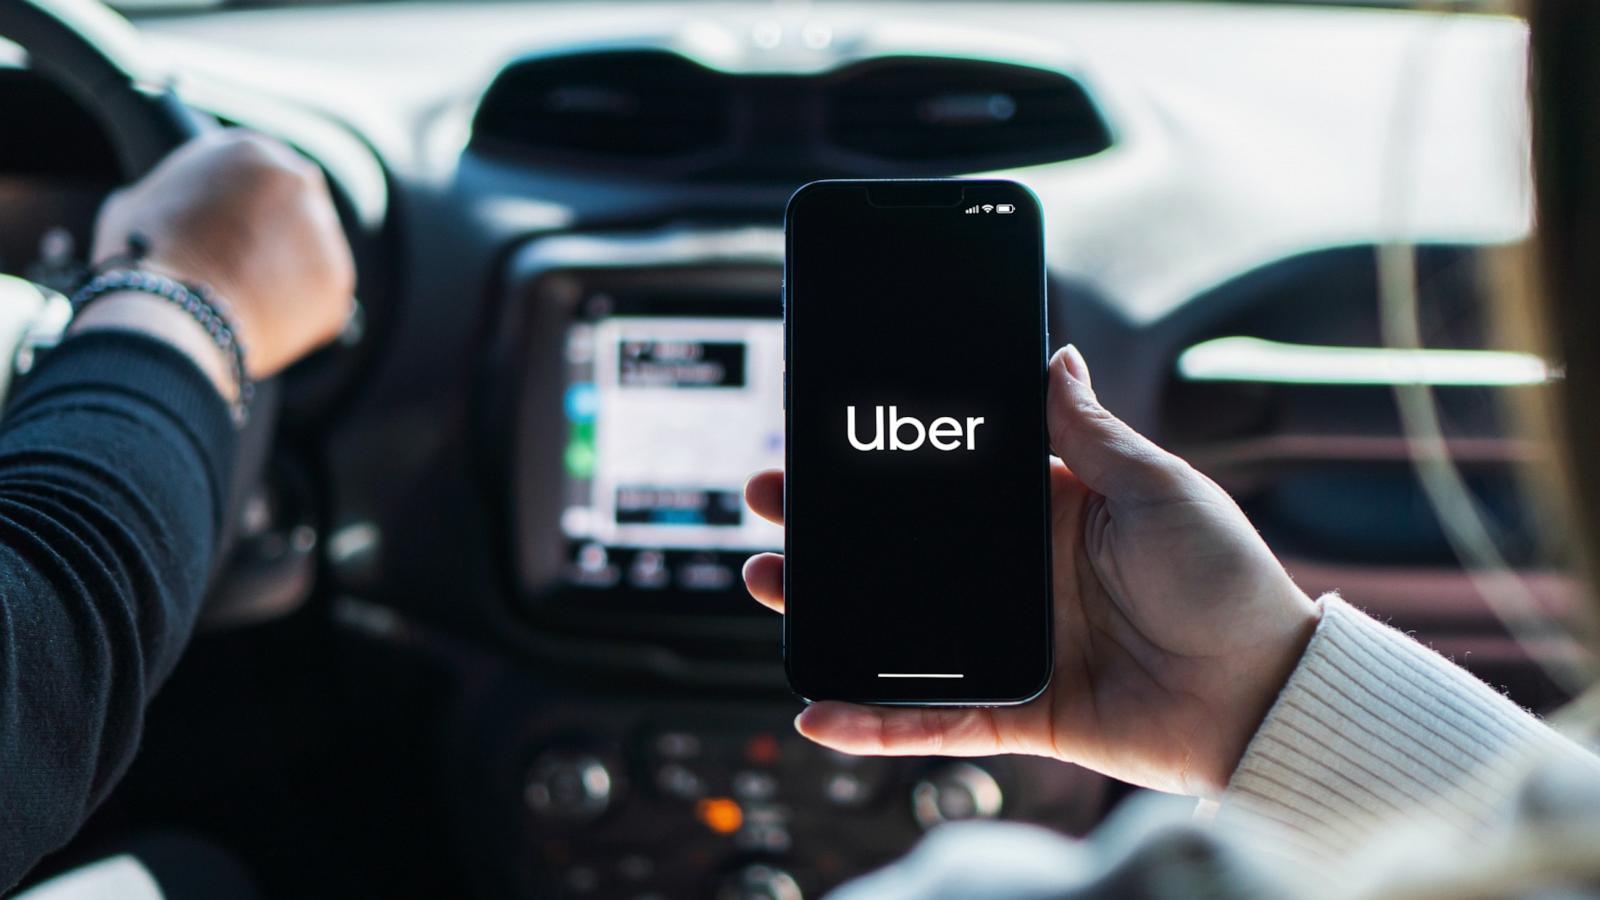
(1258, 680)
(195, 302)
(158, 318)
(219, 290)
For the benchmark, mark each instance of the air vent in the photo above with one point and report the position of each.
(957, 115)
(626, 105)
(1286, 398)
(653, 112)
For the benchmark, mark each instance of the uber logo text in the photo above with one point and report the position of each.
(944, 433)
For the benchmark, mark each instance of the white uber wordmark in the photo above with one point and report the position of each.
(943, 433)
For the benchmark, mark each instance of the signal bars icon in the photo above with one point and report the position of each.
(985, 207)
(972, 210)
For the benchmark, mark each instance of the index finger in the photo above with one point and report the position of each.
(862, 730)
(764, 493)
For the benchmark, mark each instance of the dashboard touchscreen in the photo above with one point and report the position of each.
(667, 417)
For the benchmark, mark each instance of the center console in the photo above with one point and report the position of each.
(622, 799)
(638, 385)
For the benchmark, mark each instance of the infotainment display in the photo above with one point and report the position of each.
(667, 416)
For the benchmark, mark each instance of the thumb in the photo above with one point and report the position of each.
(1109, 457)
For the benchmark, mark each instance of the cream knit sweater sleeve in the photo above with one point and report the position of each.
(1374, 727)
(1382, 770)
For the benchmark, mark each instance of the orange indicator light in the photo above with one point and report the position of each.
(720, 814)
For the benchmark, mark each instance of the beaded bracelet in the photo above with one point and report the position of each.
(194, 299)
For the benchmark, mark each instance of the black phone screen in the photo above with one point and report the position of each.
(917, 503)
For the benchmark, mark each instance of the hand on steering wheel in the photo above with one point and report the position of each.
(1175, 626)
(252, 219)
(96, 56)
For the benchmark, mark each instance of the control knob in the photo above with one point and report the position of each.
(568, 785)
(953, 792)
(760, 882)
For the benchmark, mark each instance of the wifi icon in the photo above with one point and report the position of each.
(988, 207)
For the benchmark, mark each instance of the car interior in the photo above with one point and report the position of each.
(481, 632)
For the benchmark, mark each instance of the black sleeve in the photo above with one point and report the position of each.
(114, 461)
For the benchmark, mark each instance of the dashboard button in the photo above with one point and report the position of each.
(846, 789)
(593, 567)
(679, 781)
(571, 786)
(754, 786)
(760, 882)
(677, 745)
(954, 792)
(648, 570)
(704, 573)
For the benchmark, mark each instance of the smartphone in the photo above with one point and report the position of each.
(917, 522)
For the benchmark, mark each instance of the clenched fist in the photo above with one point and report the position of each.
(253, 220)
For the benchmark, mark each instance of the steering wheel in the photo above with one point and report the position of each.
(99, 59)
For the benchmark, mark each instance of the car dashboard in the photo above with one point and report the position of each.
(523, 470)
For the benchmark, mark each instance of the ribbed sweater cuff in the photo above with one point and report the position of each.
(1374, 726)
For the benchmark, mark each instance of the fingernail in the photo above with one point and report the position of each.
(811, 717)
(1062, 357)
(1077, 366)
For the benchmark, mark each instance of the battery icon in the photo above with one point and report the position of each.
(1004, 209)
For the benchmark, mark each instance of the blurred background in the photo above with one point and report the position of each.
(484, 635)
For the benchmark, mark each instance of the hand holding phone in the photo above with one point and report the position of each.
(1175, 627)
